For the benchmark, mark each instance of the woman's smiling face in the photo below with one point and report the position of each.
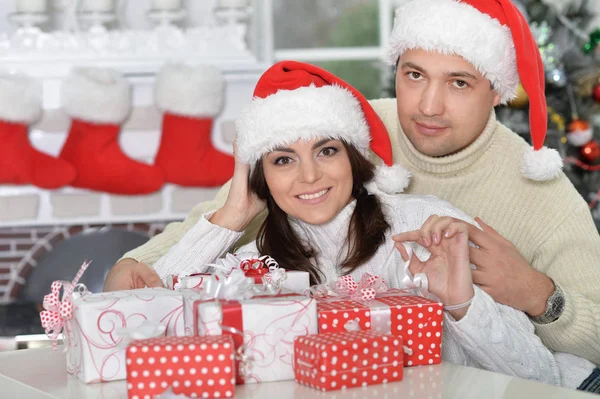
(310, 180)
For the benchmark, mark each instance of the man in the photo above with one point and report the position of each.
(455, 61)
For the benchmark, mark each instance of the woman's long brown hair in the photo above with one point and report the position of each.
(366, 231)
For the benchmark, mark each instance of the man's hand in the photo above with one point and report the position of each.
(504, 274)
(130, 274)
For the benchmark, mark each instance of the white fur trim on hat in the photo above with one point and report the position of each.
(20, 99)
(452, 27)
(541, 165)
(304, 113)
(389, 179)
(97, 95)
(192, 91)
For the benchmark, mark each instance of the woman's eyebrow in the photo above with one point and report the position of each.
(320, 143)
(282, 149)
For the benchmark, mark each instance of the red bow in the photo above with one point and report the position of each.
(258, 266)
(254, 267)
(58, 312)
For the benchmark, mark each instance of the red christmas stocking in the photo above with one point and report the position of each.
(98, 101)
(190, 98)
(20, 163)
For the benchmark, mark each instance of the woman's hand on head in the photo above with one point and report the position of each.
(448, 268)
(242, 205)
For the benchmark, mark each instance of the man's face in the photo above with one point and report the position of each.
(443, 102)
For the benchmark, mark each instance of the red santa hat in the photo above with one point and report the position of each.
(495, 38)
(293, 101)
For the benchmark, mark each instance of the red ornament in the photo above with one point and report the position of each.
(579, 133)
(596, 92)
(591, 151)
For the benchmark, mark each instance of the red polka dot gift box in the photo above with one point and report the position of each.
(418, 320)
(335, 361)
(197, 367)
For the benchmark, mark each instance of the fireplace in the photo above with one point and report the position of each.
(38, 227)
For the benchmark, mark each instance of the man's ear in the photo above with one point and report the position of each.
(497, 98)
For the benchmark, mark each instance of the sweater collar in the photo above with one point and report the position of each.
(449, 164)
(327, 238)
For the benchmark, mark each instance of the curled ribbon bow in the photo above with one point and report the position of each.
(234, 287)
(366, 289)
(272, 276)
(59, 311)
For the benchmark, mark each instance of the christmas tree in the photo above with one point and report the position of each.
(568, 35)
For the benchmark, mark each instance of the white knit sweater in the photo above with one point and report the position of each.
(491, 336)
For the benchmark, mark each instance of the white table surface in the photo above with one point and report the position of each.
(41, 374)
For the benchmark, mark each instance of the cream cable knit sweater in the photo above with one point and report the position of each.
(548, 222)
(491, 336)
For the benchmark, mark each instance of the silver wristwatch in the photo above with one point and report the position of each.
(554, 307)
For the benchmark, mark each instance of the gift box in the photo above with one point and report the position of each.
(200, 367)
(96, 337)
(295, 281)
(263, 328)
(350, 359)
(417, 319)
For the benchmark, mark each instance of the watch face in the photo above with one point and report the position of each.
(558, 304)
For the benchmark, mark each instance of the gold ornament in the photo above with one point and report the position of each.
(557, 120)
(586, 80)
(521, 99)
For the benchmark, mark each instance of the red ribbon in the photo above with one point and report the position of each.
(254, 267)
(232, 317)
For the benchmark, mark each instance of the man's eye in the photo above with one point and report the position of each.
(414, 75)
(283, 161)
(461, 84)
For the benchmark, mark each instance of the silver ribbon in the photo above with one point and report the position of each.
(419, 282)
(381, 318)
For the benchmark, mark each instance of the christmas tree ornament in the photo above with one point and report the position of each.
(557, 119)
(191, 97)
(521, 99)
(592, 44)
(591, 151)
(579, 133)
(98, 101)
(557, 77)
(596, 93)
(586, 80)
(20, 162)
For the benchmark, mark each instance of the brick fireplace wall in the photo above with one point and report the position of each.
(22, 247)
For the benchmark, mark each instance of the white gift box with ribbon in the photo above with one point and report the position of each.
(263, 326)
(104, 323)
(97, 328)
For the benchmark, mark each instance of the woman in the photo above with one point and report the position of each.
(301, 153)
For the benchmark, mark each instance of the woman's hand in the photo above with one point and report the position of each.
(448, 268)
(242, 205)
(129, 274)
